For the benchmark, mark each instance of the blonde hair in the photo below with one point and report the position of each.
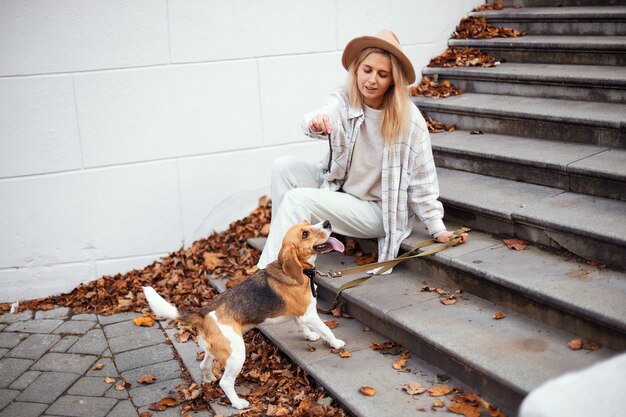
(396, 103)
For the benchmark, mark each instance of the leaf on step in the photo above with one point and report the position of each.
(369, 391)
(575, 344)
(438, 404)
(497, 5)
(466, 404)
(414, 388)
(212, 260)
(592, 346)
(476, 27)
(516, 244)
(400, 364)
(364, 258)
(433, 89)
(448, 301)
(476, 132)
(331, 324)
(344, 354)
(440, 390)
(499, 316)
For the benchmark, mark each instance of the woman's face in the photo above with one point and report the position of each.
(373, 77)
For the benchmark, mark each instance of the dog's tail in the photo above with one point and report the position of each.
(159, 306)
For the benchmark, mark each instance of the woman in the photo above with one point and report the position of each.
(379, 174)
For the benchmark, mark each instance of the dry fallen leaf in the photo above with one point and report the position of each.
(344, 354)
(97, 367)
(448, 301)
(414, 388)
(331, 324)
(476, 27)
(401, 363)
(434, 89)
(496, 5)
(212, 260)
(466, 405)
(516, 244)
(163, 404)
(369, 391)
(438, 404)
(146, 379)
(277, 411)
(499, 316)
(109, 380)
(143, 321)
(575, 344)
(119, 388)
(145, 414)
(439, 390)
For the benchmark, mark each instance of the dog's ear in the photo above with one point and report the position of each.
(290, 263)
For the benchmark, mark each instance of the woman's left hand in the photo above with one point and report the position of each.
(446, 236)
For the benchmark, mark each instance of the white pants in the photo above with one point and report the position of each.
(296, 197)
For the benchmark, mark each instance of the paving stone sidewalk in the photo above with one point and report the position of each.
(47, 363)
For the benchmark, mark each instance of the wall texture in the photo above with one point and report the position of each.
(131, 128)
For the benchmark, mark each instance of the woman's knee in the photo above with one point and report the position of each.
(283, 165)
(300, 196)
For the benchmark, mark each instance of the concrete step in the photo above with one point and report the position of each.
(567, 120)
(558, 3)
(500, 359)
(591, 227)
(580, 21)
(571, 82)
(578, 50)
(579, 168)
(343, 377)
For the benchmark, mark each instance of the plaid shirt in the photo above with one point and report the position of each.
(409, 180)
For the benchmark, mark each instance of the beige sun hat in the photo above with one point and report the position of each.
(385, 39)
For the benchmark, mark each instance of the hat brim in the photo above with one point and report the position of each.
(356, 45)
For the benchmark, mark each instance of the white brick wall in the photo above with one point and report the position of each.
(130, 128)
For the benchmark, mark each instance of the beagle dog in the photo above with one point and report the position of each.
(283, 290)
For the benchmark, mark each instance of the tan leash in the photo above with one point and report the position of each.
(386, 265)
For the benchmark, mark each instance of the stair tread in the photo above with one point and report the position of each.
(342, 378)
(562, 156)
(551, 208)
(611, 115)
(561, 42)
(540, 275)
(467, 332)
(597, 75)
(597, 12)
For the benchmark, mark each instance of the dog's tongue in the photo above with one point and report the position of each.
(335, 244)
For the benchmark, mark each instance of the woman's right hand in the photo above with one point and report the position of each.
(320, 124)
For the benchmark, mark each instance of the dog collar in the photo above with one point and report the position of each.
(311, 274)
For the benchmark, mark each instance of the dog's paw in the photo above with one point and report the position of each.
(337, 344)
(207, 376)
(312, 336)
(240, 404)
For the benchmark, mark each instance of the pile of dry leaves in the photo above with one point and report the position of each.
(466, 57)
(493, 6)
(276, 387)
(435, 126)
(476, 27)
(434, 89)
(180, 277)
